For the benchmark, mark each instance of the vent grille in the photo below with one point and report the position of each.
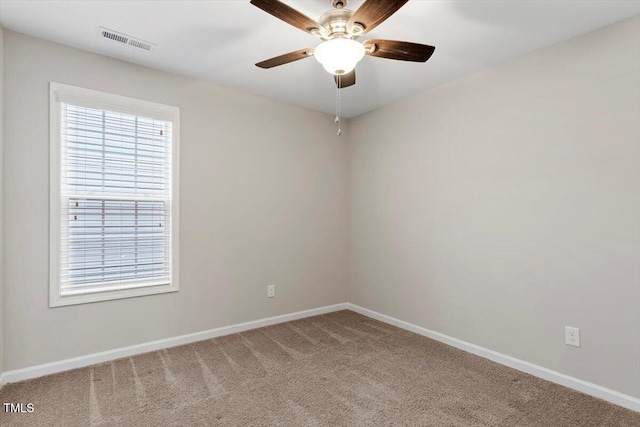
(140, 44)
(125, 39)
(114, 36)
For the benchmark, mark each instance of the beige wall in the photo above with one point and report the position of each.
(263, 201)
(503, 206)
(496, 209)
(1, 192)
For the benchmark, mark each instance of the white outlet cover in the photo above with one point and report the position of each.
(271, 291)
(572, 336)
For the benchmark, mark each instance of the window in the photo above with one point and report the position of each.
(113, 197)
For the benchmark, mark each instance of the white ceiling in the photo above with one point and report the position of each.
(222, 40)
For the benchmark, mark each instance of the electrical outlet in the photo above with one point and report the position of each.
(572, 336)
(271, 291)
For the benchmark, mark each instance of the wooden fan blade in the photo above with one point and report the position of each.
(403, 51)
(288, 15)
(286, 58)
(374, 12)
(345, 80)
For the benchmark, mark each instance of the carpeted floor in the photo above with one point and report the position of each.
(336, 369)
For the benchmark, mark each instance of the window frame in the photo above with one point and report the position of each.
(59, 93)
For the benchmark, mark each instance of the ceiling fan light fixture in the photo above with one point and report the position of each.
(339, 56)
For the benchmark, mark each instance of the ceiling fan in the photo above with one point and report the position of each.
(339, 30)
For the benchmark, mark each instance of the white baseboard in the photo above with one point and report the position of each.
(105, 356)
(585, 387)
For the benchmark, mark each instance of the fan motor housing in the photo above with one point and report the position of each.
(335, 21)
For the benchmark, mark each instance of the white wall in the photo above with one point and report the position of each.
(263, 201)
(503, 206)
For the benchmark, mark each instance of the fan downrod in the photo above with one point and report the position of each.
(339, 4)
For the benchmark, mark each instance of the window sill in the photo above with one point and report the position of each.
(61, 301)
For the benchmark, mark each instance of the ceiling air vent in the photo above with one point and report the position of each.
(125, 39)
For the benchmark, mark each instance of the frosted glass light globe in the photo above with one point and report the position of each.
(339, 56)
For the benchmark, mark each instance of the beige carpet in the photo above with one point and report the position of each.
(332, 370)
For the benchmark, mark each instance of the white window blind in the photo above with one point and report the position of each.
(115, 195)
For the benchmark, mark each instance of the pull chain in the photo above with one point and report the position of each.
(338, 102)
